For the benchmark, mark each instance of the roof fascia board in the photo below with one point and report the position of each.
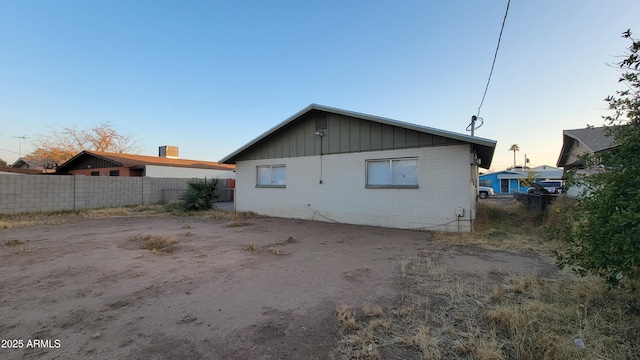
(378, 119)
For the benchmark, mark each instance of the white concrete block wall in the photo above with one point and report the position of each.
(102, 191)
(187, 173)
(444, 184)
(35, 193)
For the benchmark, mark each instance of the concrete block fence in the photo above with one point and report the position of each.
(31, 193)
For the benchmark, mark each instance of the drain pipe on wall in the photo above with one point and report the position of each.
(321, 134)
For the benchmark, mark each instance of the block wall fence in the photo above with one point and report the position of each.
(31, 193)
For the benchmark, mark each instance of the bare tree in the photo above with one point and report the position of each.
(58, 146)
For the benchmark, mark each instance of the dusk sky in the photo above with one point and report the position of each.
(209, 76)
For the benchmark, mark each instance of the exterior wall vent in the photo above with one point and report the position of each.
(170, 152)
(321, 122)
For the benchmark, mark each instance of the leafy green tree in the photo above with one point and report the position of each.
(200, 195)
(3, 163)
(606, 238)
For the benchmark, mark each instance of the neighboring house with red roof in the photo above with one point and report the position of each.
(95, 163)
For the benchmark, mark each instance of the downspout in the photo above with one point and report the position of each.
(321, 134)
(473, 204)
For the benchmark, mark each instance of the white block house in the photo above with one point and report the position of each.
(335, 165)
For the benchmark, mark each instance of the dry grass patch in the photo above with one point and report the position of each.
(446, 315)
(372, 310)
(251, 247)
(506, 227)
(173, 208)
(345, 318)
(8, 221)
(359, 339)
(157, 244)
(277, 251)
(13, 242)
(65, 216)
(426, 341)
(291, 240)
(238, 219)
(545, 318)
(276, 248)
(106, 212)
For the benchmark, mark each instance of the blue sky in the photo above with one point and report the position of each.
(209, 76)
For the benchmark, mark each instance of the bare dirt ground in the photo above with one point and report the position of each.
(88, 285)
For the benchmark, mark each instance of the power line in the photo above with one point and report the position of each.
(494, 57)
(11, 151)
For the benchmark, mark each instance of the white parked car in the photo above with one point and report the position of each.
(484, 192)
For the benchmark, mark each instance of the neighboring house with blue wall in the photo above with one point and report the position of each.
(510, 181)
(504, 182)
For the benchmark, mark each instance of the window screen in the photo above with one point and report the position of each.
(271, 175)
(392, 172)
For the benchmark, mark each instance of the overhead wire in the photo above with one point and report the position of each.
(495, 56)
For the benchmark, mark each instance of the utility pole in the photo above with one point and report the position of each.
(474, 120)
(473, 124)
(23, 137)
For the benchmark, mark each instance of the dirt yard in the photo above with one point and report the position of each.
(260, 289)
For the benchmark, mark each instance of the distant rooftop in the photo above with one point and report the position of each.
(139, 161)
(593, 139)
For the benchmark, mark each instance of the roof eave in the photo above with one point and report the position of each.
(231, 158)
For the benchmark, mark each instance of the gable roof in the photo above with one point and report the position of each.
(140, 161)
(506, 174)
(484, 147)
(593, 139)
(27, 163)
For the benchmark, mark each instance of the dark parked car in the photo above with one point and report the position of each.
(551, 187)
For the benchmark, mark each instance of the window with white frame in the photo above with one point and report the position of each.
(271, 176)
(392, 173)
